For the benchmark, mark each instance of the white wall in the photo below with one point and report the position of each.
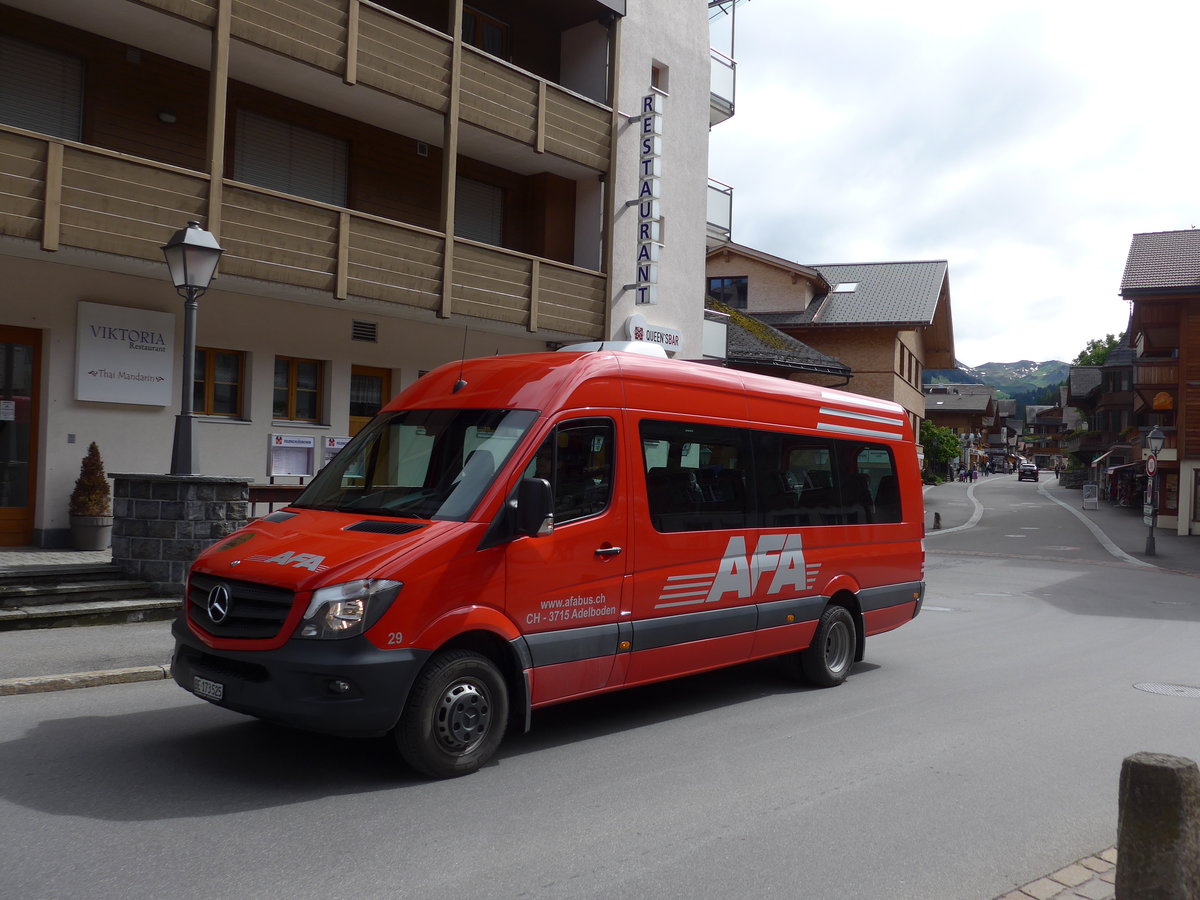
(674, 34)
(137, 439)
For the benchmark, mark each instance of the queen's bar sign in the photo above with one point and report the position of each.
(124, 355)
(649, 241)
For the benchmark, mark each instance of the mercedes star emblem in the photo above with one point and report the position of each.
(219, 601)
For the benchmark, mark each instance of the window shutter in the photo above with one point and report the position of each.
(479, 211)
(290, 159)
(41, 90)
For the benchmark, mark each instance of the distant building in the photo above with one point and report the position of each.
(969, 410)
(1162, 282)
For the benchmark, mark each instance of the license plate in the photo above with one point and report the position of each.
(209, 690)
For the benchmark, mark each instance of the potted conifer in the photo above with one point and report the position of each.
(91, 505)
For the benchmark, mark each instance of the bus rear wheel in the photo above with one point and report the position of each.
(828, 659)
(455, 717)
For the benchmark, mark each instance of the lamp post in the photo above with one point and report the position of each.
(1154, 440)
(192, 255)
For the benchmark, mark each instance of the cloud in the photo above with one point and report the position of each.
(1024, 143)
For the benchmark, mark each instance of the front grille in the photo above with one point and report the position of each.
(196, 662)
(256, 611)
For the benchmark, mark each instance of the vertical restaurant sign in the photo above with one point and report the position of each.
(124, 355)
(649, 242)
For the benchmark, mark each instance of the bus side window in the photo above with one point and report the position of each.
(577, 460)
(877, 471)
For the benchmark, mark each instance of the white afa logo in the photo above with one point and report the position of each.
(740, 572)
(309, 561)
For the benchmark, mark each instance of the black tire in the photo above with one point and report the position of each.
(455, 717)
(830, 656)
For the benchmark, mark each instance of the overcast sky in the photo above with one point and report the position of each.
(1023, 142)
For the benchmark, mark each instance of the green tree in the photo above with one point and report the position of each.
(941, 446)
(1096, 351)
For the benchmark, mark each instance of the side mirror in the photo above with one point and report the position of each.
(535, 507)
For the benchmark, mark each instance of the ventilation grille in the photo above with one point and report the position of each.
(384, 527)
(365, 331)
(280, 516)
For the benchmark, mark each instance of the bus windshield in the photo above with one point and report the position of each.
(419, 464)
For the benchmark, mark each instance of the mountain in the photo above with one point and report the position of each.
(1011, 379)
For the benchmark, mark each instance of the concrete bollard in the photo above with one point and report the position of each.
(1158, 829)
(937, 521)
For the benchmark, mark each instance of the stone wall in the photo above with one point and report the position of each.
(1073, 478)
(161, 523)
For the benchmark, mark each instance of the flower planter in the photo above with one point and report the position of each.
(91, 532)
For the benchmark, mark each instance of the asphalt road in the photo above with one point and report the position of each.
(974, 750)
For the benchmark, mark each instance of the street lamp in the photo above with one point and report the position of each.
(1154, 440)
(192, 255)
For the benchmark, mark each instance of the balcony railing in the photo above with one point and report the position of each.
(723, 89)
(65, 194)
(1162, 373)
(361, 43)
(720, 213)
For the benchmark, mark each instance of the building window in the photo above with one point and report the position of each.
(486, 33)
(41, 90)
(732, 292)
(658, 78)
(217, 389)
(297, 393)
(479, 211)
(290, 159)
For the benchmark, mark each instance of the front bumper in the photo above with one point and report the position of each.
(294, 684)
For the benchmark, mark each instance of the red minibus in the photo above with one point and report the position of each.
(514, 532)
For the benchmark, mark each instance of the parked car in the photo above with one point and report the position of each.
(1027, 472)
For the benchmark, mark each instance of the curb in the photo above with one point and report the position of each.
(1091, 878)
(42, 683)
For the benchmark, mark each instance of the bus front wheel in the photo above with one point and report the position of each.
(455, 717)
(828, 659)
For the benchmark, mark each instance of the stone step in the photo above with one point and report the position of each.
(68, 572)
(56, 592)
(93, 612)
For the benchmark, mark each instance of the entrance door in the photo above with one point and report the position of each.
(19, 351)
(369, 390)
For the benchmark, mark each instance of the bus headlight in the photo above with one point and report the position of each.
(346, 610)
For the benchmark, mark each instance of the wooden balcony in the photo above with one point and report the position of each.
(365, 44)
(64, 194)
(1160, 374)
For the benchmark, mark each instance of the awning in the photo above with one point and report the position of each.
(1101, 456)
(1112, 469)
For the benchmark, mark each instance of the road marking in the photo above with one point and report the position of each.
(971, 522)
(1103, 538)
